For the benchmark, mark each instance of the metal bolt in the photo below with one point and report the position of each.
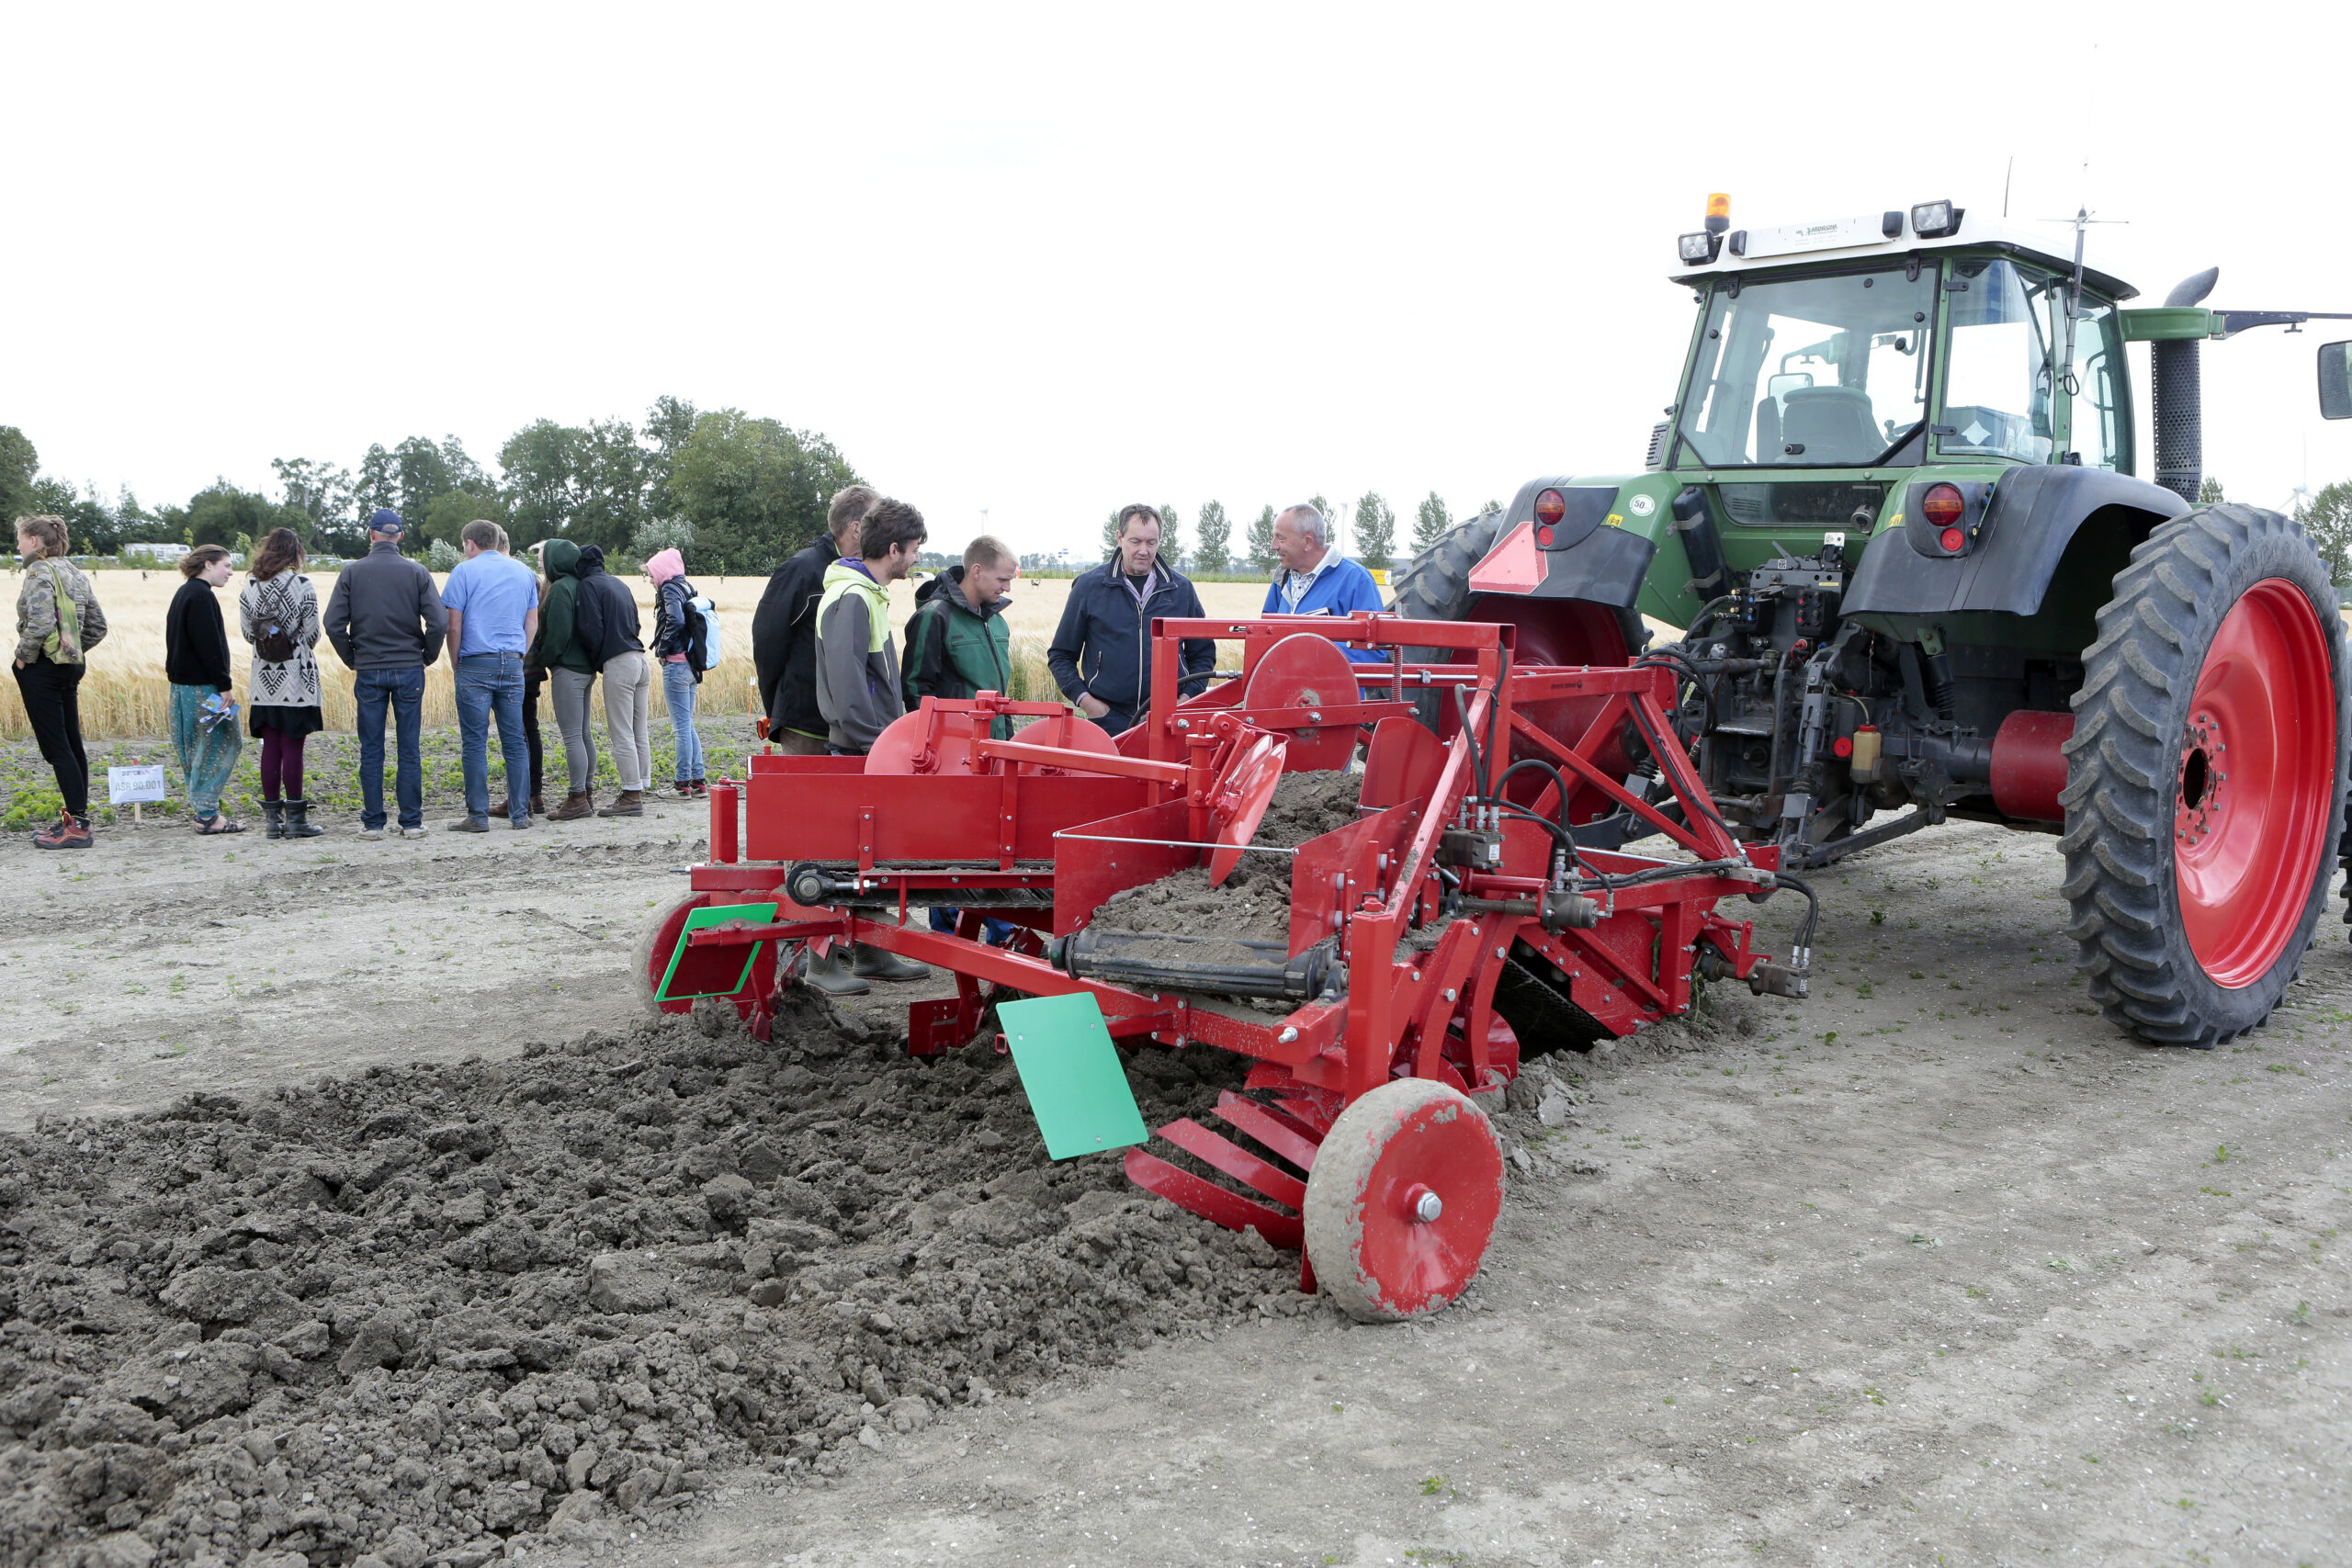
(1184, 724)
(1498, 953)
(1287, 1036)
(1428, 1207)
(1449, 993)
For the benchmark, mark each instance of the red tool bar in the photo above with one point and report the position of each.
(1083, 761)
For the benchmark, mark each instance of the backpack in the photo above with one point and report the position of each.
(275, 642)
(702, 633)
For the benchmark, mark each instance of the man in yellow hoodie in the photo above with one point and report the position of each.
(857, 687)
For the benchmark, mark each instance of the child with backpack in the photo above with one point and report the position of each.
(684, 645)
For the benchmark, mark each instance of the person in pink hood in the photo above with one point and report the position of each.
(678, 629)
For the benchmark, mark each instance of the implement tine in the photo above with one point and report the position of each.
(1275, 1133)
(1211, 1201)
(1235, 1161)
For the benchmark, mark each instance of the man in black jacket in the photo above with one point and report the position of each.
(385, 621)
(1101, 654)
(603, 619)
(784, 628)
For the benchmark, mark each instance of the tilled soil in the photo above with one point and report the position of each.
(450, 1310)
(1253, 904)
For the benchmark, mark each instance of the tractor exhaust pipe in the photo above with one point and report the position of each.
(2176, 404)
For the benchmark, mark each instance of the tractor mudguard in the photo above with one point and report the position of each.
(2032, 518)
(1592, 555)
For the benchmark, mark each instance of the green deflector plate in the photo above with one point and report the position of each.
(711, 971)
(1070, 1071)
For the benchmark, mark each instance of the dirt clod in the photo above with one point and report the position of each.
(340, 1321)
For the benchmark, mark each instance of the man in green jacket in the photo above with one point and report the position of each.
(857, 688)
(957, 643)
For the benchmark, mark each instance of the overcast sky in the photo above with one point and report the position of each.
(1043, 262)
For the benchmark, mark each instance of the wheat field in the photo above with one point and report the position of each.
(125, 694)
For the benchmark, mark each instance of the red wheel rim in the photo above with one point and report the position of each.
(666, 937)
(1412, 1265)
(2253, 788)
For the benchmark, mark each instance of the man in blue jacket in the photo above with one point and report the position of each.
(1101, 655)
(1317, 580)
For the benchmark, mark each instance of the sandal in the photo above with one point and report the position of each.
(219, 826)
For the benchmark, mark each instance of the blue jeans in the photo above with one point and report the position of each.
(487, 683)
(678, 691)
(996, 933)
(403, 692)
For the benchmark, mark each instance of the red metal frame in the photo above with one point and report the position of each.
(1020, 814)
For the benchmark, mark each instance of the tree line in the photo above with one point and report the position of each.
(1374, 540)
(744, 493)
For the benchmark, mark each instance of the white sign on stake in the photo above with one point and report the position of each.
(128, 786)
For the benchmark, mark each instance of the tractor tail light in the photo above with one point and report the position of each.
(1543, 538)
(1942, 505)
(1551, 506)
(1954, 540)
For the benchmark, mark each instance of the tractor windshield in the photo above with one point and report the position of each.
(1810, 372)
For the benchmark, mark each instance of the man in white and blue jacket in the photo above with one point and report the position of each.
(1317, 580)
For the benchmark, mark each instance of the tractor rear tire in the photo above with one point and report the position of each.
(2206, 776)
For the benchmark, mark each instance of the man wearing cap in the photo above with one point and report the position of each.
(386, 622)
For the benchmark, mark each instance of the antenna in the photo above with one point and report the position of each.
(2005, 179)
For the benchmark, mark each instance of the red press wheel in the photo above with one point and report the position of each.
(1307, 672)
(1403, 1200)
(2257, 769)
(654, 948)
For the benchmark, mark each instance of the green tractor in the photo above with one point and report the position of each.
(1895, 506)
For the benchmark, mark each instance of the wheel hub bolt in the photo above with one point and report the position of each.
(1424, 1205)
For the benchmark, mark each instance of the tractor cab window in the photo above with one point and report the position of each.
(1998, 385)
(2102, 427)
(1809, 372)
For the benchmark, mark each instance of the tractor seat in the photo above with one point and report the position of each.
(1833, 424)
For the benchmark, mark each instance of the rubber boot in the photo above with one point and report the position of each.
(273, 815)
(832, 976)
(880, 964)
(298, 821)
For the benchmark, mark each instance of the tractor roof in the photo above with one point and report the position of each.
(1749, 250)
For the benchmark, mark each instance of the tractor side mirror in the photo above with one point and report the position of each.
(2336, 380)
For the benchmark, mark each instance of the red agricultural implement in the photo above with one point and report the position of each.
(1456, 920)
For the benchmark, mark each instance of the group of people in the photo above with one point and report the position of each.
(508, 631)
(829, 676)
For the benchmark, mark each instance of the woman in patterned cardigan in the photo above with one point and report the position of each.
(278, 613)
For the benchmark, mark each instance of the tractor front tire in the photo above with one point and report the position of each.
(2206, 776)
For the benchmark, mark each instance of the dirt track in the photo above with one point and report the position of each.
(1934, 1264)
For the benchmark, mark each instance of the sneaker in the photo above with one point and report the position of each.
(415, 832)
(67, 834)
(685, 788)
(519, 823)
(628, 803)
(464, 825)
(371, 832)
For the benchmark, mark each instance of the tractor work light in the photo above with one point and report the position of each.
(1698, 247)
(1935, 219)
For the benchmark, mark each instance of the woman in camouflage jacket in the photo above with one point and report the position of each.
(58, 622)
